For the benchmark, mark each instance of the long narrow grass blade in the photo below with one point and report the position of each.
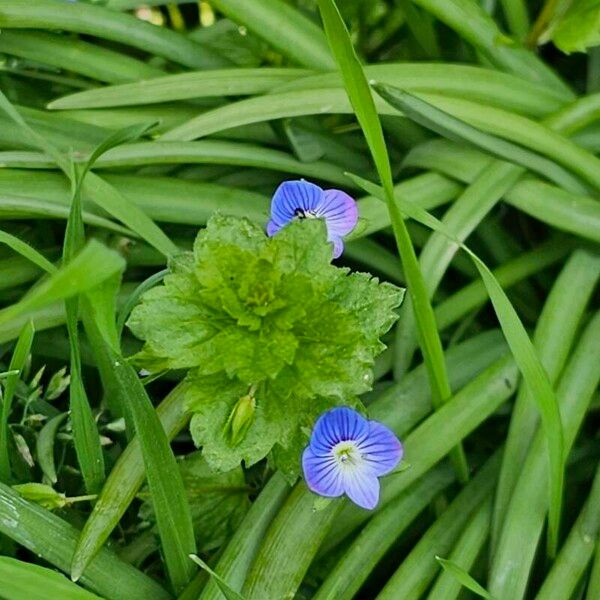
(577, 551)
(452, 128)
(149, 452)
(523, 527)
(24, 580)
(361, 99)
(415, 573)
(101, 192)
(53, 540)
(525, 355)
(463, 578)
(556, 330)
(182, 86)
(94, 264)
(45, 446)
(172, 511)
(27, 251)
(91, 60)
(226, 589)
(241, 550)
(303, 41)
(16, 366)
(104, 23)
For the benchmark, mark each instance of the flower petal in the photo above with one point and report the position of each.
(322, 474)
(338, 247)
(340, 212)
(381, 450)
(273, 228)
(292, 195)
(339, 424)
(362, 487)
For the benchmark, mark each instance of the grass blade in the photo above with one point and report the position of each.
(97, 189)
(17, 363)
(243, 546)
(98, 21)
(525, 355)
(75, 55)
(182, 86)
(556, 330)
(94, 264)
(224, 587)
(303, 42)
(173, 516)
(361, 99)
(512, 561)
(45, 447)
(27, 251)
(577, 551)
(433, 118)
(53, 540)
(465, 214)
(417, 570)
(462, 577)
(24, 580)
(150, 449)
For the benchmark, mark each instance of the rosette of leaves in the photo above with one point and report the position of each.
(270, 333)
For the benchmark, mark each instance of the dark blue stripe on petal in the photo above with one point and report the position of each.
(381, 449)
(322, 474)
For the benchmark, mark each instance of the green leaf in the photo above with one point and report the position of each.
(27, 251)
(122, 483)
(101, 22)
(453, 128)
(17, 363)
(24, 580)
(218, 501)
(579, 28)
(85, 432)
(93, 265)
(525, 355)
(167, 492)
(465, 579)
(303, 42)
(362, 101)
(227, 591)
(41, 494)
(182, 86)
(53, 540)
(45, 446)
(272, 333)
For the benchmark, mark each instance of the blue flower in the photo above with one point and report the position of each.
(346, 455)
(304, 200)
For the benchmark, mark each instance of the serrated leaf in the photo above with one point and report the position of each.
(269, 329)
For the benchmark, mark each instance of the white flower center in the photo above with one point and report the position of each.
(347, 454)
(300, 213)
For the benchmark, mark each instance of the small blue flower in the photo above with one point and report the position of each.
(346, 455)
(304, 200)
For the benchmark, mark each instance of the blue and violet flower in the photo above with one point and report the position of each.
(347, 454)
(304, 200)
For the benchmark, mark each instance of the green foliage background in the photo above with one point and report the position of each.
(467, 131)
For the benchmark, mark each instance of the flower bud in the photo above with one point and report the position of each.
(240, 419)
